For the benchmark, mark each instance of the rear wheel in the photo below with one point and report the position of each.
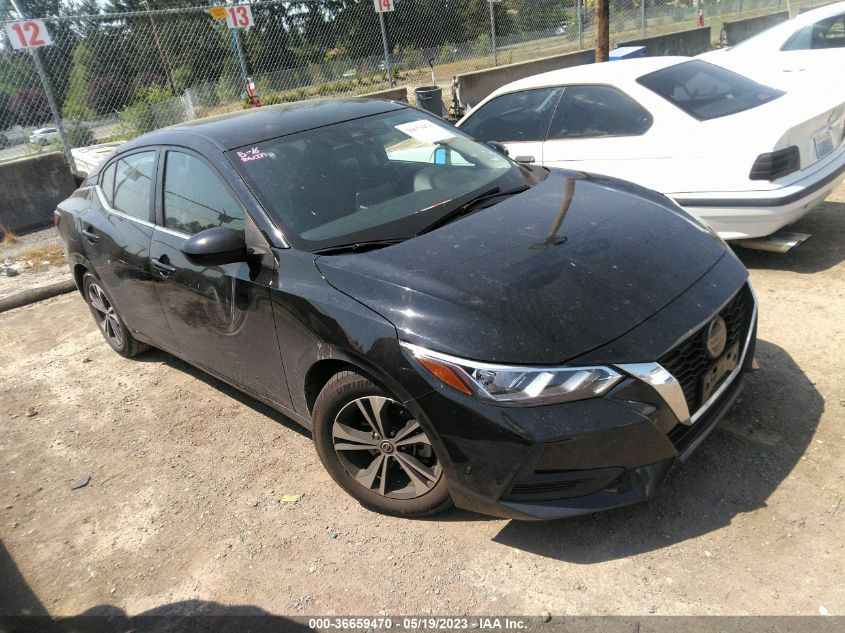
(105, 314)
(376, 450)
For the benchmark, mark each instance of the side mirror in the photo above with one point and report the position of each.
(499, 147)
(215, 247)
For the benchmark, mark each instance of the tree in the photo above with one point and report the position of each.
(86, 66)
(29, 106)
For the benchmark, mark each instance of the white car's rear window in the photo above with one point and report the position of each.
(705, 91)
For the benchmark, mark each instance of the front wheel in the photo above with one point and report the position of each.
(376, 450)
(105, 314)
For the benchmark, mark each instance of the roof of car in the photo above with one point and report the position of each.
(814, 15)
(245, 127)
(607, 72)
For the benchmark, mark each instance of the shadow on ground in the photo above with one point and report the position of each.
(20, 610)
(822, 251)
(735, 470)
(158, 356)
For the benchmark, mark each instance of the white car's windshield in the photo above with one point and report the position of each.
(380, 177)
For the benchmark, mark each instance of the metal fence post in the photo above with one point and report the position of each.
(386, 49)
(48, 91)
(239, 52)
(580, 24)
(493, 30)
(642, 17)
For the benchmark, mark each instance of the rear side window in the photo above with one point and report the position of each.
(705, 91)
(195, 199)
(514, 117)
(107, 183)
(828, 33)
(593, 111)
(133, 185)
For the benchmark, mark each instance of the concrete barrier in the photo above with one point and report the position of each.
(474, 86)
(736, 31)
(32, 187)
(391, 94)
(690, 42)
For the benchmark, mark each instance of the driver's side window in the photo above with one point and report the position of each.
(516, 117)
(194, 197)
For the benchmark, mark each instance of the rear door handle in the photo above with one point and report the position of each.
(89, 235)
(163, 268)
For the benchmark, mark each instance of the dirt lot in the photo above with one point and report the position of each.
(185, 500)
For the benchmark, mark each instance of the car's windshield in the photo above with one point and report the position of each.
(380, 177)
(705, 91)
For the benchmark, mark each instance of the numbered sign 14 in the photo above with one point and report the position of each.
(28, 34)
(239, 16)
(383, 6)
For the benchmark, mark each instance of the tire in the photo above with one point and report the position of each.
(398, 474)
(108, 320)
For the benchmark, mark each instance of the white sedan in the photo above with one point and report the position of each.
(746, 158)
(810, 46)
(44, 136)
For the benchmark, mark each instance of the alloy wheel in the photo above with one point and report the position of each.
(105, 315)
(384, 449)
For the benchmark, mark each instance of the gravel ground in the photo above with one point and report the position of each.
(27, 272)
(189, 483)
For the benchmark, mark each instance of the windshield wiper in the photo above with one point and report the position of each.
(471, 204)
(357, 247)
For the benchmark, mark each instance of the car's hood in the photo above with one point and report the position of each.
(531, 280)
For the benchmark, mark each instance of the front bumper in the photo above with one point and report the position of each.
(563, 460)
(744, 215)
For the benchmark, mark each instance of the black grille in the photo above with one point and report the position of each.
(688, 361)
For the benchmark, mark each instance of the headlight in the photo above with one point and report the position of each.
(513, 385)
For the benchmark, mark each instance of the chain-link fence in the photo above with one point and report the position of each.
(139, 66)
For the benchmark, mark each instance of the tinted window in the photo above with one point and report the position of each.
(107, 183)
(133, 184)
(705, 91)
(385, 176)
(829, 33)
(195, 199)
(514, 117)
(590, 111)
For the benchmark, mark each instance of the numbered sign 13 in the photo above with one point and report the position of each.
(383, 6)
(28, 34)
(239, 16)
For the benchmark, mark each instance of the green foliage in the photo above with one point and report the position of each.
(85, 67)
(78, 135)
(153, 108)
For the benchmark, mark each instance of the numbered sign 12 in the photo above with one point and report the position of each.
(28, 34)
(383, 6)
(239, 16)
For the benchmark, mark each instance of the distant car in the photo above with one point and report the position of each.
(352, 72)
(44, 136)
(4, 141)
(524, 342)
(746, 158)
(560, 29)
(812, 43)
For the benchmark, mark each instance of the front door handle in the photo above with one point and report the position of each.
(89, 235)
(162, 267)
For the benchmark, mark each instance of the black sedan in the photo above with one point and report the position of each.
(452, 326)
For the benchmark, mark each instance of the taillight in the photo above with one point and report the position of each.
(56, 217)
(774, 165)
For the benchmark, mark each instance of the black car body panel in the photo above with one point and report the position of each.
(579, 269)
(516, 284)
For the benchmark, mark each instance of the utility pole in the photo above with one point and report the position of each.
(161, 56)
(602, 30)
(48, 92)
